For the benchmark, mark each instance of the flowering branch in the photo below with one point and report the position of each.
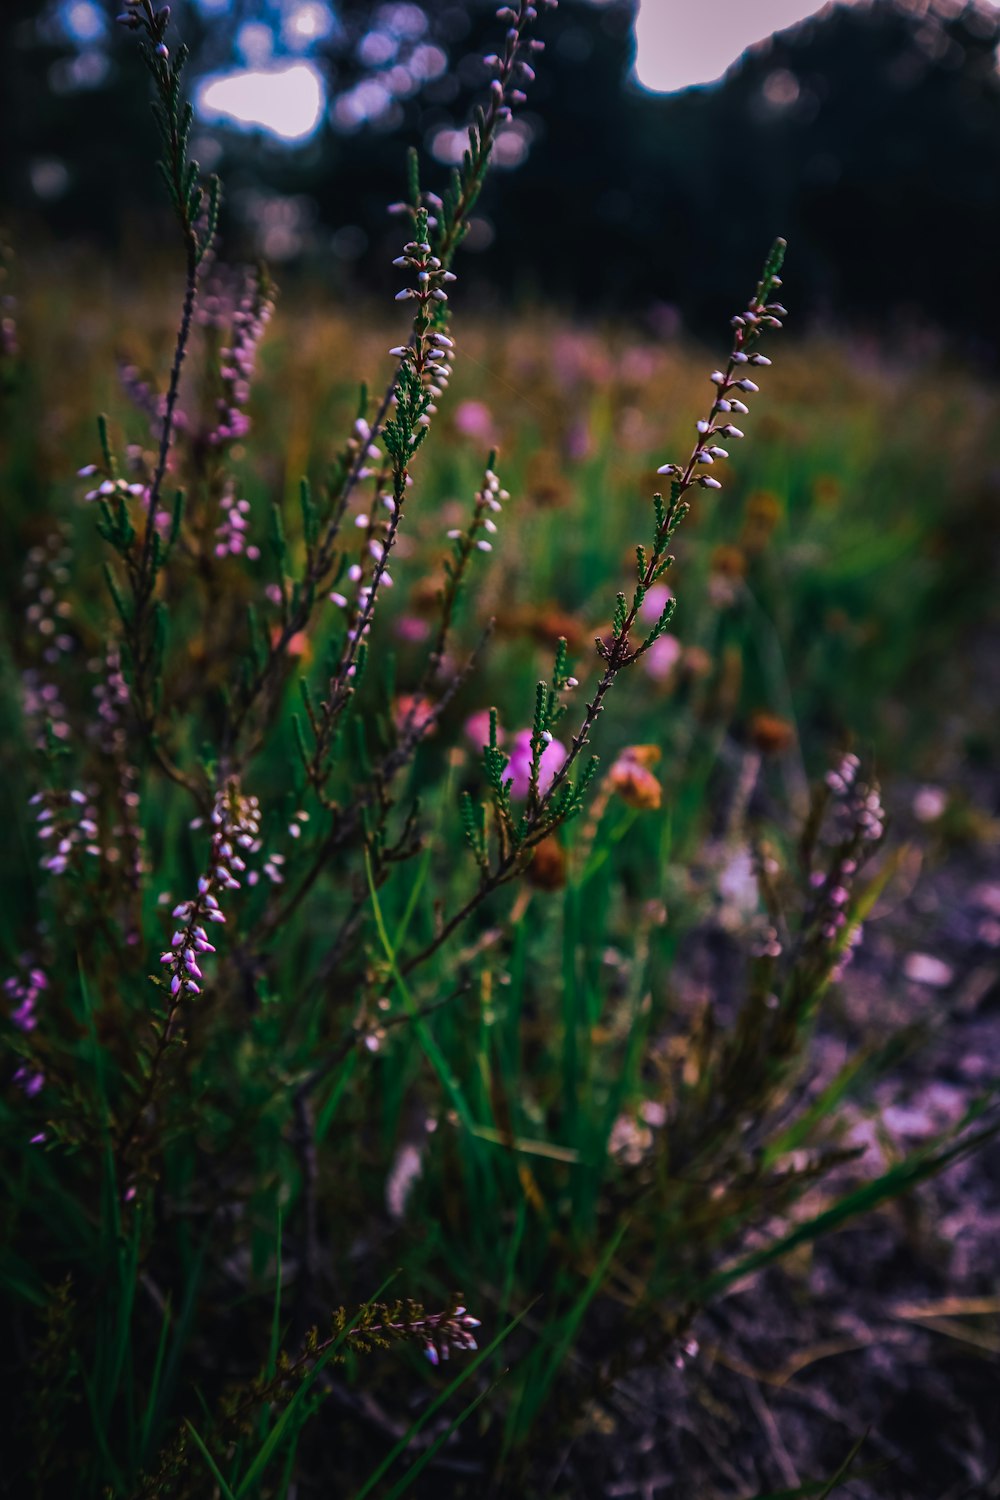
(235, 820)
(418, 380)
(563, 798)
(197, 216)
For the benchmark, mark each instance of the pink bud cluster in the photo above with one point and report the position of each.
(113, 488)
(510, 67)
(8, 328)
(378, 530)
(8, 308)
(67, 827)
(430, 201)
(235, 820)
(360, 443)
(125, 845)
(231, 540)
(152, 403)
(43, 708)
(9, 347)
(860, 807)
(22, 991)
(249, 318)
(446, 1332)
(731, 385)
(858, 825)
(489, 497)
(29, 1080)
(46, 637)
(429, 351)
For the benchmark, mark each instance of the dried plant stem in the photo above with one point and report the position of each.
(166, 1035)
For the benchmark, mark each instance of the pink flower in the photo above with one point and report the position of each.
(412, 628)
(662, 657)
(477, 729)
(518, 772)
(656, 600)
(413, 711)
(473, 419)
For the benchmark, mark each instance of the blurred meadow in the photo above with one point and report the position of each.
(682, 1108)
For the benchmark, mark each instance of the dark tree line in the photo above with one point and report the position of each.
(869, 136)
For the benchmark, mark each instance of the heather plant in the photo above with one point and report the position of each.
(311, 1009)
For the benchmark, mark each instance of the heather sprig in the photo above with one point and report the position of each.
(174, 118)
(235, 823)
(197, 214)
(23, 989)
(404, 413)
(465, 543)
(564, 797)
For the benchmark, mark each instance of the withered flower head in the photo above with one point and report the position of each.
(632, 779)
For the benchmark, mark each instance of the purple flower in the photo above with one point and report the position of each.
(662, 657)
(657, 598)
(518, 771)
(473, 419)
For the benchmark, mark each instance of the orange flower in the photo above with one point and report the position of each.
(826, 489)
(761, 515)
(545, 483)
(547, 871)
(770, 734)
(632, 779)
(412, 709)
(298, 644)
(729, 562)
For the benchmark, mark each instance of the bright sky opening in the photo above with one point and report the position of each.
(680, 43)
(286, 101)
(695, 41)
